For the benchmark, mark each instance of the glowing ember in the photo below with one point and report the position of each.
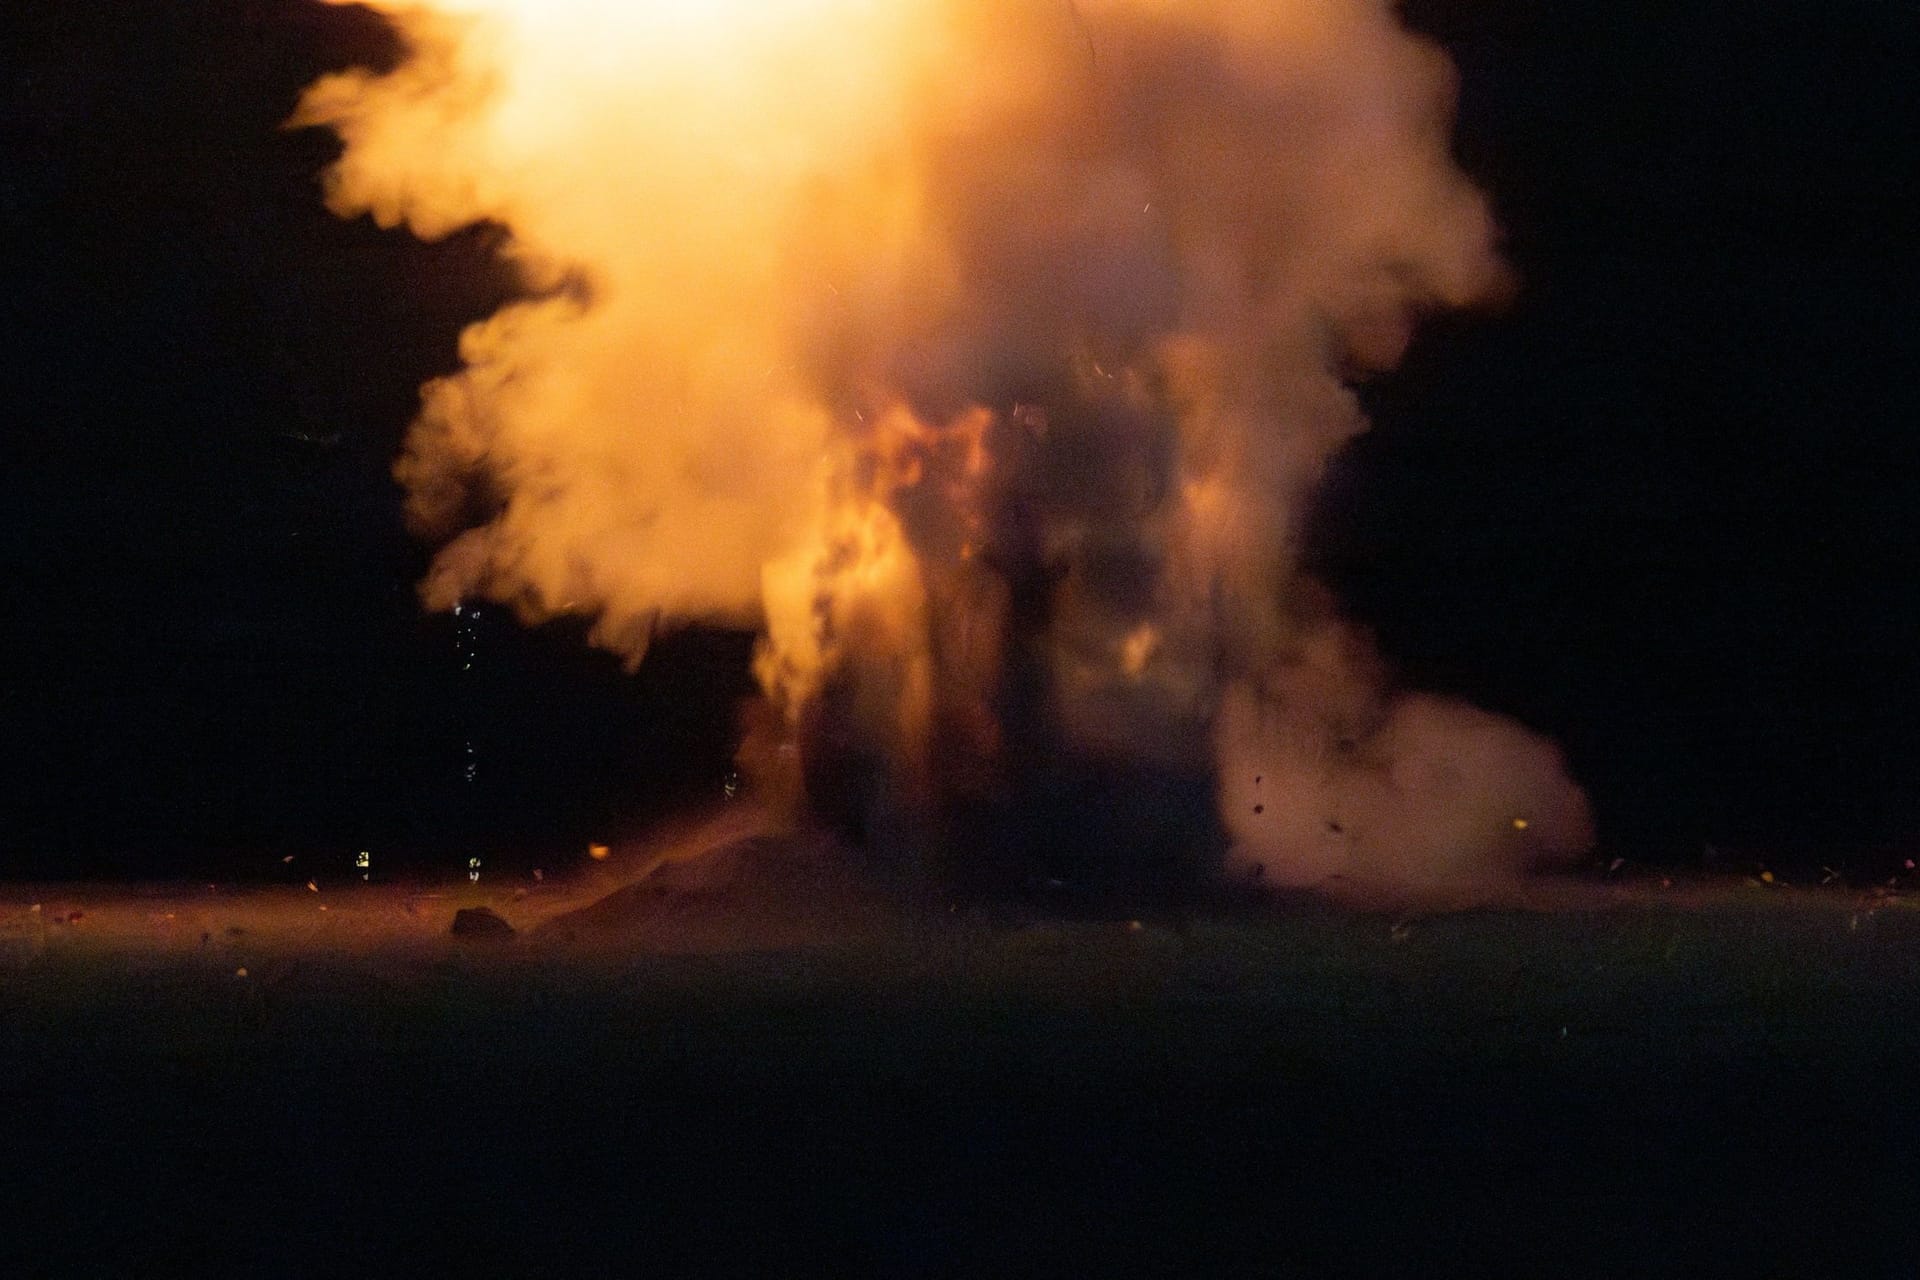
(983, 356)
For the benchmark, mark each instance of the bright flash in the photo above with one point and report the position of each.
(788, 265)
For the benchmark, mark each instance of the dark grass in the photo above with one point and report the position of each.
(1635, 1091)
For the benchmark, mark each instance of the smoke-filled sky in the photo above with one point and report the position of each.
(862, 320)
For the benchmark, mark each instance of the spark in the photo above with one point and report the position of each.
(1137, 649)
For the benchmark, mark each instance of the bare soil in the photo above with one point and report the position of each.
(1711, 1079)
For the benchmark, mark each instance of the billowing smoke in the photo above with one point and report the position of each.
(983, 355)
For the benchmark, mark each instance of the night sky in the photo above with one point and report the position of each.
(1663, 507)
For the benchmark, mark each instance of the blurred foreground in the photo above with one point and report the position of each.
(1715, 1079)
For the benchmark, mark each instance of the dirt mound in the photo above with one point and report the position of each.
(754, 891)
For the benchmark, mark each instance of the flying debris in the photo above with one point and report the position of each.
(328, 441)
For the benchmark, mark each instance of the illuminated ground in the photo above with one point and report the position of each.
(1651, 1081)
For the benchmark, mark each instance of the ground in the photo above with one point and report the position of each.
(1637, 1082)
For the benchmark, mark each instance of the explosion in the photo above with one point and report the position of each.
(983, 355)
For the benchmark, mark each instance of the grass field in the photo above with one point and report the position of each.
(1719, 1082)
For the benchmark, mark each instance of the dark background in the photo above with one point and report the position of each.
(1661, 508)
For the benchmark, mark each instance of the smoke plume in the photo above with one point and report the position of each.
(983, 355)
